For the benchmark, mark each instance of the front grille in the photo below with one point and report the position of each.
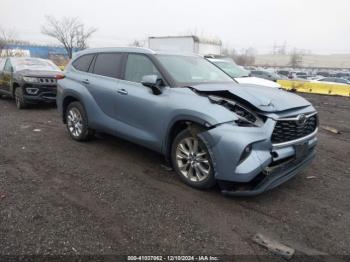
(47, 88)
(288, 130)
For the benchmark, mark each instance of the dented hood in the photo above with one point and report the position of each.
(263, 98)
(38, 73)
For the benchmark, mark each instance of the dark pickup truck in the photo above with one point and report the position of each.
(28, 80)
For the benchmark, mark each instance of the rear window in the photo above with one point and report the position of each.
(83, 63)
(108, 64)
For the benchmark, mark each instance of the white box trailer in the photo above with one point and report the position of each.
(187, 44)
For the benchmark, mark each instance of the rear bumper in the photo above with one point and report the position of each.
(275, 178)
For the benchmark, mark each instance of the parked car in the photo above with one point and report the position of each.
(242, 76)
(285, 73)
(337, 80)
(323, 73)
(28, 80)
(266, 75)
(342, 74)
(301, 75)
(246, 138)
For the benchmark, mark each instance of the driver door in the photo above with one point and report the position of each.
(5, 77)
(137, 107)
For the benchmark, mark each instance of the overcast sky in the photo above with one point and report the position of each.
(322, 26)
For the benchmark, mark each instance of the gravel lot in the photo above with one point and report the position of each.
(109, 196)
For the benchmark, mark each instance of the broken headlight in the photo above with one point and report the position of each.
(29, 79)
(246, 118)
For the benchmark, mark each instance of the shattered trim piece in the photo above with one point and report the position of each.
(274, 246)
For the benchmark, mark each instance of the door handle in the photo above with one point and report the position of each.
(122, 91)
(86, 81)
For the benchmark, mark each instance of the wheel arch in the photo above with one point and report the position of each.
(14, 86)
(65, 103)
(179, 125)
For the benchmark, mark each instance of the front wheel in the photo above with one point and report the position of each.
(19, 98)
(191, 160)
(77, 122)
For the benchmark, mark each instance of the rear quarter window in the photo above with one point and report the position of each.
(108, 64)
(83, 63)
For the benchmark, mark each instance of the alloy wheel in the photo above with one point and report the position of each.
(75, 122)
(18, 101)
(192, 160)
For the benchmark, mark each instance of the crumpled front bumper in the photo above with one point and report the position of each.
(266, 167)
(271, 180)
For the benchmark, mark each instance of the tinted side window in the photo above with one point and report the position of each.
(138, 66)
(108, 65)
(7, 67)
(83, 62)
(2, 64)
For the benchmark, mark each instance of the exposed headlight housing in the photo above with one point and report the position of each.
(246, 118)
(29, 79)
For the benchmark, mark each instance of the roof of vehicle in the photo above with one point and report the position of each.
(217, 60)
(129, 49)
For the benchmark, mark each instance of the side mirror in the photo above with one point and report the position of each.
(153, 82)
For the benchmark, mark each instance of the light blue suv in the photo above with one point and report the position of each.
(245, 138)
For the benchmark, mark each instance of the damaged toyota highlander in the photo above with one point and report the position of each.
(245, 138)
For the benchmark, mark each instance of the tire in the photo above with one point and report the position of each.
(194, 167)
(77, 122)
(20, 102)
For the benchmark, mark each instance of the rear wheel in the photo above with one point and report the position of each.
(77, 122)
(19, 98)
(191, 160)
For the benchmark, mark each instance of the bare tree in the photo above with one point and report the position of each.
(246, 57)
(229, 52)
(69, 31)
(7, 37)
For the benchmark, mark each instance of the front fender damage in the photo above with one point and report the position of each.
(226, 144)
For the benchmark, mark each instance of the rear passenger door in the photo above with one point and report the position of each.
(103, 82)
(99, 73)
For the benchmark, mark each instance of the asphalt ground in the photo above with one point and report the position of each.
(109, 196)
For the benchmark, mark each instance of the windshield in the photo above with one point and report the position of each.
(33, 64)
(232, 69)
(192, 69)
